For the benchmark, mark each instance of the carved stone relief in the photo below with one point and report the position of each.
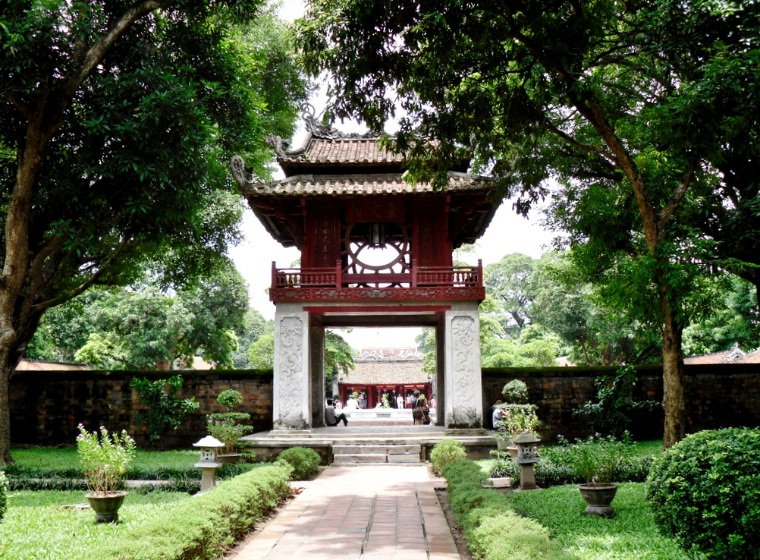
(290, 374)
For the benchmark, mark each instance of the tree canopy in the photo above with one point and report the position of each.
(646, 103)
(119, 119)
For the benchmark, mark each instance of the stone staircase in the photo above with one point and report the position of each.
(376, 453)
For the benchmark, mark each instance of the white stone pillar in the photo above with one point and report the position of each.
(464, 392)
(291, 406)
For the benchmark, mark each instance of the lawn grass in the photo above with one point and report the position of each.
(66, 458)
(43, 525)
(631, 534)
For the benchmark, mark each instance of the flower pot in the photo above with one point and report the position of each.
(106, 505)
(598, 498)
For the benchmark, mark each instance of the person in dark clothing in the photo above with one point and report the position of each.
(330, 418)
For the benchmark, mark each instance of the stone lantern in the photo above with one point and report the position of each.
(526, 457)
(209, 447)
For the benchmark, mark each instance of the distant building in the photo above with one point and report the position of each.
(395, 371)
(733, 356)
(35, 365)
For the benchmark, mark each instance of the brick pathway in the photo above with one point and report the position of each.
(361, 512)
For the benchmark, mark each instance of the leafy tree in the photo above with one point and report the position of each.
(597, 330)
(339, 355)
(143, 328)
(603, 95)
(261, 352)
(118, 118)
(254, 325)
(735, 322)
(507, 282)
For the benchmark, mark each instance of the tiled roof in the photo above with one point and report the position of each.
(733, 356)
(386, 372)
(361, 185)
(34, 365)
(342, 151)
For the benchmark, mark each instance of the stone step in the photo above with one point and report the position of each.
(344, 449)
(356, 458)
(353, 454)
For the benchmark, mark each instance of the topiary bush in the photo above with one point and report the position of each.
(704, 493)
(304, 461)
(444, 452)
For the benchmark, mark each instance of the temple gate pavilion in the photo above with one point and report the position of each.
(376, 251)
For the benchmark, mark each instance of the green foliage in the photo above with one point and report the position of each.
(445, 452)
(305, 461)
(612, 413)
(516, 419)
(515, 392)
(205, 526)
(145, 328)
(3, 497)
(632, 533)
(732, 321)
(225, 426)
(597, 459)
(156, 524)
(703, 492)
(566, 464)
(492, 528)
(164, 408)
(105, 458)
(261, 352)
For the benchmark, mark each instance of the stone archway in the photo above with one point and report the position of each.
(298, 400)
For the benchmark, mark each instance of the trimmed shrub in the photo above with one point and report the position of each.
(492, 528)
(204, 527)
(444, 452)
(303, 460)
(704, 493)
(3, 497)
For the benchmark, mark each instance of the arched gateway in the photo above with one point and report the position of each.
(375, 251)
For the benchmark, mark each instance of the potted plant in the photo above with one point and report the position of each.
(596, 460)
(515, 415)
(104, 460)
(226, 427)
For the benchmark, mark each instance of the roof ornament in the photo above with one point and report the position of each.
(237, 163)
(315, 127)
(279, 145)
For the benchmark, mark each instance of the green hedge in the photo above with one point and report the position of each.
(304, 460)
(704, 493)
(202, 527)
(491, 527)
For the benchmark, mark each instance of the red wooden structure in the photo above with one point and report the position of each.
(365, 234)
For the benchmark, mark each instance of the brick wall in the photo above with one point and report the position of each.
(717, 396)
(46, 407)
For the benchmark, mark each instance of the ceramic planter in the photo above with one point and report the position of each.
(106, 506)
(598, 498)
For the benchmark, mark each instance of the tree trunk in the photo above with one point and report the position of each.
(673, 402)
(5, 411)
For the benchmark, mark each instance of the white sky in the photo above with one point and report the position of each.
(508, 233)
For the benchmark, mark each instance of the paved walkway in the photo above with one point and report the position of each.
(358, 512)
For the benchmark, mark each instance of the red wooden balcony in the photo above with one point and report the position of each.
(433, 283)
